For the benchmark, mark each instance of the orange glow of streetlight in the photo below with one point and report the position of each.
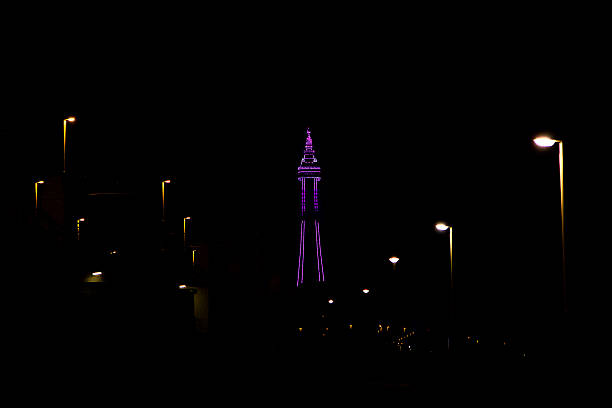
(366, 291)
(393, 259)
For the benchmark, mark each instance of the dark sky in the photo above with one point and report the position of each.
(412, 123)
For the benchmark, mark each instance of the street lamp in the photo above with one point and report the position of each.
(164, 198)
(546, 141)
(442, 227)
(70, 119)
(185, 230)
(78, 225)
(36, 193)
(393, 260)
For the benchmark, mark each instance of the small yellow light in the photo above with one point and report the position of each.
(366, 291)
(167, 181)
(97, 273)
(182, 286)
(393, 259)
(330, 301)
(71, 119)
(81, 219)
(40, 182)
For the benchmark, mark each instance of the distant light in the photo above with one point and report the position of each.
(81, 219)
(366, 291)
(71, 119)
(182, 286)
(393, 259)
(544, 141)
(167, 181)
(330, 301)
(97, 273)
(187, 218)
(40, 182)
(441, 226)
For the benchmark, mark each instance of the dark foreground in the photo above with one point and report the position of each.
(180, 371)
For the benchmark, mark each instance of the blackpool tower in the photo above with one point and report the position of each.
(310, 261)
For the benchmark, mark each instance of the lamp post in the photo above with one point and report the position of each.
(394, 260)
(545, 142)
(163, 184)
(36, 194)
(70, 119)
(185, 230)
(78, 226)
(444, 227)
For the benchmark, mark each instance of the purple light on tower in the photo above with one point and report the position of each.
(310, 254)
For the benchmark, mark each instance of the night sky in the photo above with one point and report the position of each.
(411, 126)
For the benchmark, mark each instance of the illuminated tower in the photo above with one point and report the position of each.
(310, 256)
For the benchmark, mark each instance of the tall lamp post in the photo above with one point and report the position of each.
(443, 227)
(36, 194)
(78, 227)
(394, 260)
(546, 141)
(70, 119)
(185, 219)
(163, 185)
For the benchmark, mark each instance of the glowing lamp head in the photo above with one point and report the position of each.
(442, 226)
(187, 218)
(166, 181)
(81, 219)
(544, 141)
(330, 301)
(393, 259)
(97, 273)
(366, 291)
(182, 286)
(70, 119)
(40, 182)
